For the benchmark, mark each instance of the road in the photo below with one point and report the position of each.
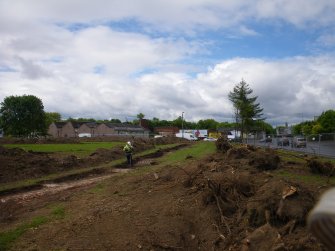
(323, 148)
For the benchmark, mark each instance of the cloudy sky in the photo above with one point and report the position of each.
(117, 58)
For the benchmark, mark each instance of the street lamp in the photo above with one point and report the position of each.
(182, 124)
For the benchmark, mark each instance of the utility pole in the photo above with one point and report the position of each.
(182, 124)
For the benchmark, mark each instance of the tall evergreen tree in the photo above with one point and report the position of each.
(247, 111)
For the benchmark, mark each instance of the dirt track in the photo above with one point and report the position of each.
(224, 202)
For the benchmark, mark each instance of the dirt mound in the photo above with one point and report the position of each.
(11, 152)
(263, 238)
(102, 154)
(220, 203)
(17, 164)
(278, 202)
(169, 140)
(264, 159)
(238, 152)
(321, 167)
(46, 140)
(222, 144)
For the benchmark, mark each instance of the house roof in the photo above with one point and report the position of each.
(60, 124)
(92, 124)
(115, 126)
(125, 127)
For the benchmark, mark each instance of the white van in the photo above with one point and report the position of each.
(84, 135)
(188, 136)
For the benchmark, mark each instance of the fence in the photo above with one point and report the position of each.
(317, 144)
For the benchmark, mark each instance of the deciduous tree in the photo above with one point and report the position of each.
(23, 116)
(327, 121)
(52, 117)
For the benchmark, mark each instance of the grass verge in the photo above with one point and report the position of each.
(307, 178)
(194, 152)
(8, 237)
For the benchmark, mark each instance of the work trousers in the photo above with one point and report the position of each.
(129, 158)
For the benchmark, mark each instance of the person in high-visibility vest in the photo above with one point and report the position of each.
(129, 149)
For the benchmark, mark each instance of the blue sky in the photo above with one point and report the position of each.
(112, 59)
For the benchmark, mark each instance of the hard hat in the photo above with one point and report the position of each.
(129, 143)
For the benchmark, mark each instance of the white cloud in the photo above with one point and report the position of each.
(247, 31)
(284, 88)
(99, 71)
(170, 15)
(302, 13)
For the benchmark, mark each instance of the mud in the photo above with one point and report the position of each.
(231, 200)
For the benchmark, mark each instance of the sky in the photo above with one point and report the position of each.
(108, 59)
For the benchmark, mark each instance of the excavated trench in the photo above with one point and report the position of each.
(78, 180)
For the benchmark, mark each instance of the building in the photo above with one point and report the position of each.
(63, 129)
(166, 130)
(88, 129)
(93, 129)
(121, 129)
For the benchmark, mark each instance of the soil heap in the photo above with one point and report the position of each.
(232, 200)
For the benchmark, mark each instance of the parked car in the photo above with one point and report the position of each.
(266, 140)
(299, 142)
(210, 139)
(84, 135)
(283, 141)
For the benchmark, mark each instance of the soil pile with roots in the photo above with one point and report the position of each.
(232, 200)
(222, 144)
(321, 167)
(253, 209)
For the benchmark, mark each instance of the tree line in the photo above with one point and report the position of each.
(23, 116)
(325, 123)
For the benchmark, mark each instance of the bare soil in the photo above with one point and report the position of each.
(17, 164)
(228, 201)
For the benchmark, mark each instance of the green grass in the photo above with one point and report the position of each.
(298, 157)
(197, 151)
(97, 189)
(80, 149)
(58, 212)
(8, 237)
(306, 178)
